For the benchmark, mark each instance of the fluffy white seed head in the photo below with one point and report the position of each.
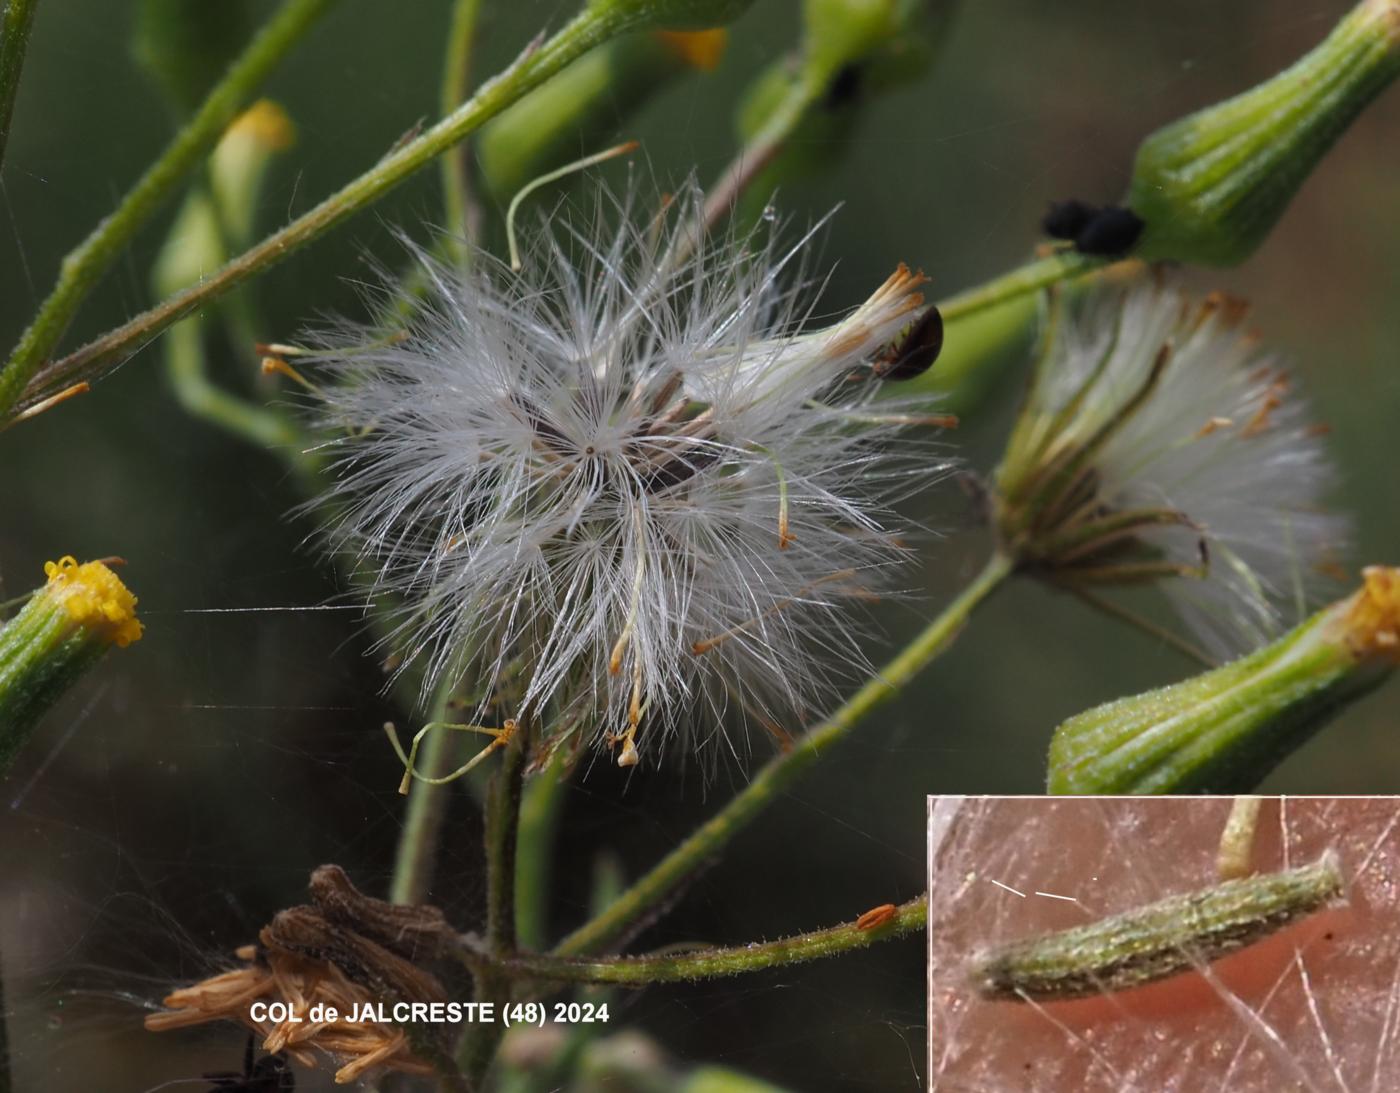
(620, 490)
(1151, 403)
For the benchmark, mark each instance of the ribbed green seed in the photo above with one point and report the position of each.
(1157, 941)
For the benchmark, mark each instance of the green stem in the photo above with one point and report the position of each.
(493, 984)
(539, 816)
(502, 826)
(1062, 265)
(588, 29)
(758, 152)
(86, 264)
(783, 770)
(427, 808)
(187, 365)
(456, 77)
(714, 963)
(15, 26)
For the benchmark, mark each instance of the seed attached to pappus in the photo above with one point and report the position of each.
(1162, 939)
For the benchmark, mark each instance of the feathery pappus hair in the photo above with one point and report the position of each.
(628, 489)
(1161, 442)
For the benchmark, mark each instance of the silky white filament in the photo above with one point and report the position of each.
(622, 477)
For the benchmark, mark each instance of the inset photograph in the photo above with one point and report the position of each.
(1205, 943)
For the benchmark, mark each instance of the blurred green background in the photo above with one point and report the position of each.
(182, 796)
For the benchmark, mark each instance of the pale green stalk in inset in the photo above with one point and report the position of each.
(1155, 942)
(85, 265)
(15, 27)
(717, 963)
(783, 770)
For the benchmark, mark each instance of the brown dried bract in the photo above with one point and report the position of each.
(346, 952)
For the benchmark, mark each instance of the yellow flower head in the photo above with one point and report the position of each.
(95, 599)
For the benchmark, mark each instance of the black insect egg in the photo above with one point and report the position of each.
(1104, 232)
(1066, 219)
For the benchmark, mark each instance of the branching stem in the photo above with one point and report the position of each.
(1039, 273)
(591, 27)
(715, 963)
(493, 982)
(85, 265)
(782, 771)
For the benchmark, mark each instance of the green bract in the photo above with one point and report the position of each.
(1212, 185)
(1222, 731)
(62, 631)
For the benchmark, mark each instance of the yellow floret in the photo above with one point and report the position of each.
(95, 599)
(1373, 623)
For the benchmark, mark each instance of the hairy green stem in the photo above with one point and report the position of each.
(783, 770)
(85, 265)
(15, 26)
(502, 827)
(715, 963)
(456, 78)
(532, 68)
(427, 808)
(493, 984)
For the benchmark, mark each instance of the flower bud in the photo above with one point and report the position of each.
(1224, 730)
(63, 630)
(197, 241)
(1212, 185)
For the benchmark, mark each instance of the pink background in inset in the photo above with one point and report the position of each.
(1313, 1007)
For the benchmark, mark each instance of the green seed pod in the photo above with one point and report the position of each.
(1211, 186)
(1222, 731)
(62, 631)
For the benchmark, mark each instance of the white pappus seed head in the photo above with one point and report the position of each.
(619, 490)
(1160, 441)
